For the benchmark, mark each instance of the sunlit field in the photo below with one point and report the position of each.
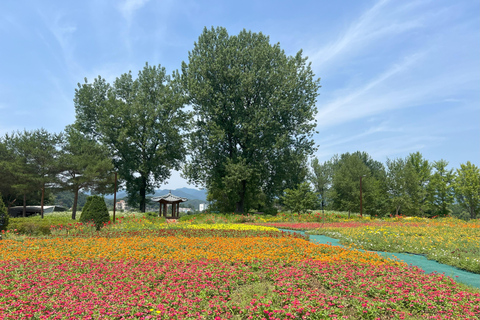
(208, 267)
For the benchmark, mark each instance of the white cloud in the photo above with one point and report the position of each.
(128, 7)
(377, 23)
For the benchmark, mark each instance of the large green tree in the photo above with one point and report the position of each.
(418, 192)
(467, 188)
(399, 182)
(441, 188)
(142, 123)
(254, 113)
(7, 172)
(35, 161)
(321, 177)
(85, 165)
(347, 170)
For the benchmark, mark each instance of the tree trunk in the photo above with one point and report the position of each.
(75, 199)
(41, 202)
(473, 214)
(143, 189)
(396, 211)
(241, 203)
(24, 204)
(9, 205)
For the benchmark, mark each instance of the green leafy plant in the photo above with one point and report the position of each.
(95, 210)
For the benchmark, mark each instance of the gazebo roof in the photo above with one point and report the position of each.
(169, 198)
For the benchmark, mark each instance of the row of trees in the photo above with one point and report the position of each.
(246, 139)
(410, 186)
(33, 163)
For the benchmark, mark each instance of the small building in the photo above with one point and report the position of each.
(184, 210)
(165, 201)
(202, 207)
(121, 205)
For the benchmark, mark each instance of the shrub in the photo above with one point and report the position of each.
(95, 210)
(30, 227)
(151, 214)
(3, 215)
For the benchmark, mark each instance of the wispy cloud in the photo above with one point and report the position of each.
(129, 7)
(376, 23)
(349, 103)
(413, 74)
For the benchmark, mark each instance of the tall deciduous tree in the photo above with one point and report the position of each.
(467, 188)
(441, 188)
(345, 190)
(254, 113)
(418, 192)
(398, 183)
(85, 165)
(321, 178)
(142, 123)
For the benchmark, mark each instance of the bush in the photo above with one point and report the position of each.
(30, 227)
(3, 215)
(95, 210)
(151, 214)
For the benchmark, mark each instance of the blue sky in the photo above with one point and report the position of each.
(397, 76)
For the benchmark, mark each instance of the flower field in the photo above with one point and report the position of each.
(229, 271)
(449, 241)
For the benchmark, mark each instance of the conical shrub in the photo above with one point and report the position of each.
(95, 210)
(3, 215)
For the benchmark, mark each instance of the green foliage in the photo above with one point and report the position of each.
(66, 199)
(254, 118)
(33, 161)
(418, 192)
(399, 181)
(95, 210)
(142, 123)
(441, 188)
(321, 178)
(300, 199)
(35, 225)
(467, 188)
(4, 217)
(345, 191)
(85, 165)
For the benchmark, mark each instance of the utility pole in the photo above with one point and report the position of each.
(115, 197)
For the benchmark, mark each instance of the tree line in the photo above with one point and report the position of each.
(410, 186)
(238, 119)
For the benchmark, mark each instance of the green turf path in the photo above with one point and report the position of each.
(429, 266)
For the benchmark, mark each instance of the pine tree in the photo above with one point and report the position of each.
(3, 215)
(95, 210)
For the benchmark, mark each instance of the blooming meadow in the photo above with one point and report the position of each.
(213, 271)
(449, 241)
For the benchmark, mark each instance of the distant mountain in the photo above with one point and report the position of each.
(188, 193)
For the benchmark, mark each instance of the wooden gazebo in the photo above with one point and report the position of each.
(167, 199)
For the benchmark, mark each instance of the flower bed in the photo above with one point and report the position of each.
(215, 274)
(450, 241)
